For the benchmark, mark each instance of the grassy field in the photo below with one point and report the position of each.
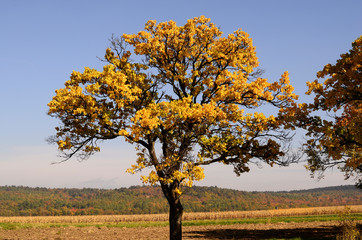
(298, 223)
(207, 222)
(189, 219)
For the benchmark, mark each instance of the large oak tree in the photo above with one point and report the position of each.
(191, 101)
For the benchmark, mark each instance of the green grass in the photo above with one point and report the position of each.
(316, 218)
(313, 218)
(12, 226)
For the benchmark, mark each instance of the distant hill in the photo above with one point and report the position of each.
(26, 201)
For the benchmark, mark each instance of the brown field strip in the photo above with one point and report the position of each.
(187, 216)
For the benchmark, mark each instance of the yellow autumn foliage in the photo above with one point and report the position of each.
(183, 107)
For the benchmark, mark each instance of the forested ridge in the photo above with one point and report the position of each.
(27, 201)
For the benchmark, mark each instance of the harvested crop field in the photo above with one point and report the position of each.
(308, 223)
(307, 230)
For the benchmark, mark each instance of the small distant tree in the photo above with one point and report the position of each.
(183, 106)
(335, 138)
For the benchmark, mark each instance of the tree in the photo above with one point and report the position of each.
(336, 140)
(191, 102)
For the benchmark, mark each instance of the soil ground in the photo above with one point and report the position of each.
(311, 230)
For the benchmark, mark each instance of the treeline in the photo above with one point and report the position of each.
(26, 201)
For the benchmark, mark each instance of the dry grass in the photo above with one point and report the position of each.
(187, 216)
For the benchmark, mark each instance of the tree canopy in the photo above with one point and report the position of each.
(191, 101)
(336, 139)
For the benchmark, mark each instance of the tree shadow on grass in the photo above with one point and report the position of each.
(322, 233)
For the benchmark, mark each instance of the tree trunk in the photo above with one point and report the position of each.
(175, 220)
(176, 210)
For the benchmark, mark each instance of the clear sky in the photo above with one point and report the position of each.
(42, 42)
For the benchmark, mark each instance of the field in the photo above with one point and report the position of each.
(299, 223)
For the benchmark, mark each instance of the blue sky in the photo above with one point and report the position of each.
(42, 42)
